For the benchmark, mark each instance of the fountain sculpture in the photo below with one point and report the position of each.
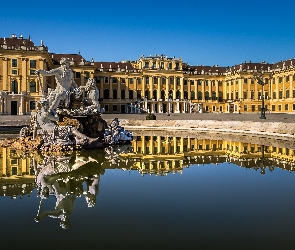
(68, 117)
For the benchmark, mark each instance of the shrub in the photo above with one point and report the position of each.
(151, 117)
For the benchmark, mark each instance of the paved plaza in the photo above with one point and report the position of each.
(22, 120)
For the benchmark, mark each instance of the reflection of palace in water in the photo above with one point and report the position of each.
(161, 155)
(148, 155)
(77, 175)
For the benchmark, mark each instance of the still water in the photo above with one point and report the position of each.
(155, 193)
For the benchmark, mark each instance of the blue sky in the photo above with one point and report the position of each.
(207, 32)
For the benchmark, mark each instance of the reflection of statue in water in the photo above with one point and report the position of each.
(65, 84)
(55, 176)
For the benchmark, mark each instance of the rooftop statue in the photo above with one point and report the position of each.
(68, 117)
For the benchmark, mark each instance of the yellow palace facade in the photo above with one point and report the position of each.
(153, 84)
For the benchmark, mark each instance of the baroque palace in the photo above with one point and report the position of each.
(153, 84)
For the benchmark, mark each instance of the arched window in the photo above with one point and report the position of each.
(155, 94)
(115, 94)
(163, 94)
(177, 94)
(123, 94)
(106, 94)
(147, 94)
(130, 94)
(33, 86)
(14, 86)
(220, 96)
(138, 93)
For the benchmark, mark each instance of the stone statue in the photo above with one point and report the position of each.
(92, 94)
(65, 84)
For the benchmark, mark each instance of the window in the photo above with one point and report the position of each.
(130, 94)
(192, 82)
(245, 107)
(206, 82)
(170, 65)
(123, 80)
(138, 94)
(106, 80)
(185, 82)
(115, 94)
(293, 106)
(200, 95)
(280, 94)
(32, 105)
(14, 72)
(237, 95)
(193, 95)
(155, 80)
(273, 107)
(130, 80)
(178, 81)
(214, 95)
(32, 72)
(200, 82)
(245, 80)
(33, 86)
(106, 107)
(138, 80)
(252, 80)
(146, 64)
(177, 66)
(280, 107)
(253, 108)
(207, 95)
(252, 94)
(274, 95)
(213, 83)
(171, 80)
(33, 64)
(163, 80)
(287, 93)
(14, 63)
(280, 79)
(147, 80)
(287, 78)
(115, 80)
(122, 93)
(220, 83)
(245, 94)
(78, 75)
(14, 86)
(106, 94)
(115, 108)
(286, 107)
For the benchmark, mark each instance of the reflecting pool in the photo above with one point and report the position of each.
(158, 192)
